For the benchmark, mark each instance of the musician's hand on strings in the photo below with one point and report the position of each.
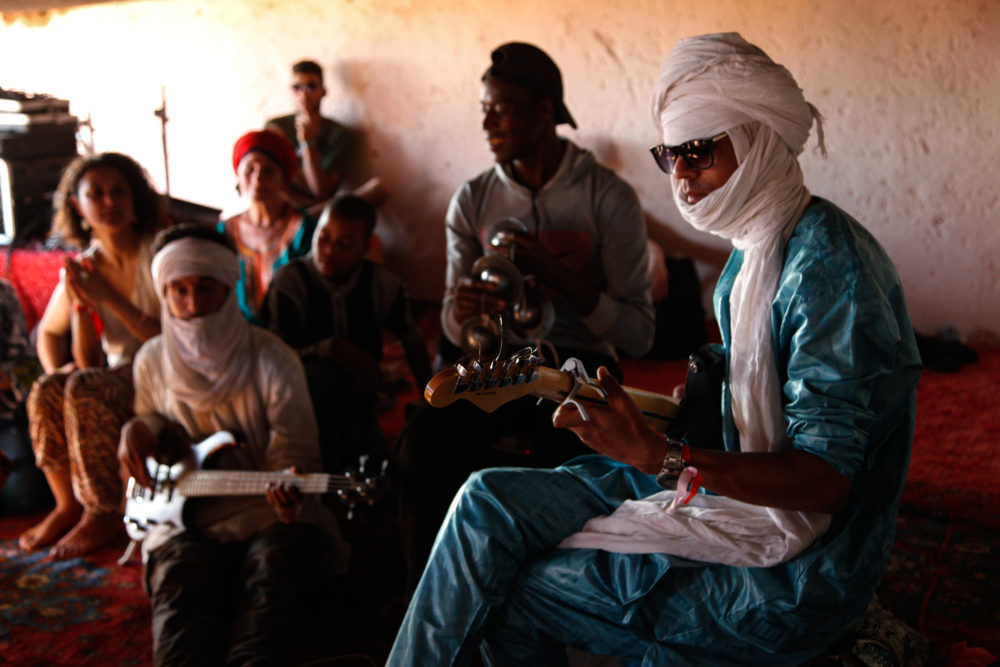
(173, 444)
(472, 298)
(285, 498)
(136, 444)
(617, 430)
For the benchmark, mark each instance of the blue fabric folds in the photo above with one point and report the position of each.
(849, 365)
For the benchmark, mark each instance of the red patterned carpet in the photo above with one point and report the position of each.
(942, 576)
(955, 463)
(74, 612)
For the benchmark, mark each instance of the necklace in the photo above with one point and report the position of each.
(262, 239)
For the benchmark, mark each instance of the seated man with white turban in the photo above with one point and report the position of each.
(224, 591)
(783, 555)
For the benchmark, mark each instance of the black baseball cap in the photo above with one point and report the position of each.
(528, 67)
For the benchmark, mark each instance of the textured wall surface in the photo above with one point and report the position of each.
(910, 90)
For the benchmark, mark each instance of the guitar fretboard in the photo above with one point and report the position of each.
(199, 483)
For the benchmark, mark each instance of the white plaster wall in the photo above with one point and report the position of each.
(910, 90)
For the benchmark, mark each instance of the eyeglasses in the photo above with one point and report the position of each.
(501, 109)
(699, 154)
(299, 87)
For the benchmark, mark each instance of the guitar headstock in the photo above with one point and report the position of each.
(362, 486)
(487, 384)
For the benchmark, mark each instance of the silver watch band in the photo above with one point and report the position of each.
(673, 464)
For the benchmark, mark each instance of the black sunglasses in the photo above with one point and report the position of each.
(698, 154)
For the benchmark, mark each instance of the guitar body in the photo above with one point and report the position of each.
(146, 509)
(164, 502)
(149, 507)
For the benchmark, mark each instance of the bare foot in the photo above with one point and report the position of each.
(50, 529)
(91, 533)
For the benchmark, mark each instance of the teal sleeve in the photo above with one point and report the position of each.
(838, 322)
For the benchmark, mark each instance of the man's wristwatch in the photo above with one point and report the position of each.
(673, 463)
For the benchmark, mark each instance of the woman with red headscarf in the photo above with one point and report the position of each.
(272, 230)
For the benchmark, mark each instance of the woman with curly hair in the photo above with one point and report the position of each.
(103, 308)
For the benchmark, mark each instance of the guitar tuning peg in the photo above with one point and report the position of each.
(533, 363)
(468, 369)
(522, 356)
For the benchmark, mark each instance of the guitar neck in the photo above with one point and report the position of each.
(201, 483)
(555, 385)
(493, 388)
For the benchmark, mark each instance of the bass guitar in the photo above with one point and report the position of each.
(163, 503)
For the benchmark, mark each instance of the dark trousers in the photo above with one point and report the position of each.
(440, 447)
(26, 490)
(232, 604)
(346, 417)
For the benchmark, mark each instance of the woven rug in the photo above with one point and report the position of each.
(73, 612)
(955, 463)
(942, 581)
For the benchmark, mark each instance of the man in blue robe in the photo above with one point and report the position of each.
(781, 555)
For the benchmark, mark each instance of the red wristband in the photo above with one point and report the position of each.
(689, 483)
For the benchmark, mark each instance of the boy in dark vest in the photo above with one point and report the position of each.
(332, 306)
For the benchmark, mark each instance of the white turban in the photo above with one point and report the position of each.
(205, 358)
(710, 85)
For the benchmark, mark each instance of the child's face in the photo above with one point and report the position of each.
(338, 246)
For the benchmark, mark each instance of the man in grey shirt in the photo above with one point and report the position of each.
(583, 239)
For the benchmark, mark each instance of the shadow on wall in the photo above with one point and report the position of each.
(707, 252)
(673, 243)
(410, 223)
(607, 151)
(709, 258)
